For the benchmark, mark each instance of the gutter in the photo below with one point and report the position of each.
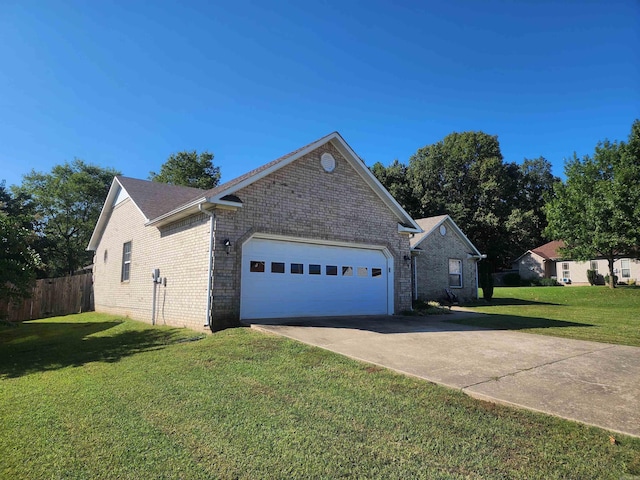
(212, 246)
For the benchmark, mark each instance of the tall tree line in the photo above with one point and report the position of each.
(499, 205)
(46, 221)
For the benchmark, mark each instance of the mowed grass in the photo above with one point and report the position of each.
(100, 397)
(594, 313)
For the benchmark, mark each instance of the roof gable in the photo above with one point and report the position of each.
(548, 251)
(161, 203)
(150, 198)
(432, 224)
(155, 198)
(219, 194)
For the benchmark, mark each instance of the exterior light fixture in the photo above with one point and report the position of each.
(227, 245)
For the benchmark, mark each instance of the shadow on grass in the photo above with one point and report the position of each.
(500, 302)
(456, 321)
(509, 322)
(40, 346)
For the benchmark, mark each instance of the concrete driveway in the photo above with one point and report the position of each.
(590, 382)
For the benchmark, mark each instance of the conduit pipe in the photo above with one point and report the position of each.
(212, 247)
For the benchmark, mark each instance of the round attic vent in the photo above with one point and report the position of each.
(443, 230)
(328, 162)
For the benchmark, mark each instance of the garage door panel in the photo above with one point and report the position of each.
(271, 295)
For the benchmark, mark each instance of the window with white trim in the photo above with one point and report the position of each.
(566, 273)
(594, 266)
(126, 262)
(455, 273)
(626, 268)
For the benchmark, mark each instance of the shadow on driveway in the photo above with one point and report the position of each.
(454, 321)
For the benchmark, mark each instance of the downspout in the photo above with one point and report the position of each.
(478, 258)
(212, 246)
(415, 278)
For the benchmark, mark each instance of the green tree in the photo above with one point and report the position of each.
(189, 169)
(596, 211)
(395, 178)
(67, 203)
(464, 176)
(527, 220)
(19, 260)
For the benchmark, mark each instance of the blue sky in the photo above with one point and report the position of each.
(124, 84)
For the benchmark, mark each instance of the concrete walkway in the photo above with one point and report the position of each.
(590, 382)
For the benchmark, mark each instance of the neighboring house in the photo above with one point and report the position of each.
(443, 258)
(547, 262)
(312, 233)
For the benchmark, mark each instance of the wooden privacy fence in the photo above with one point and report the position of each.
(52, 297)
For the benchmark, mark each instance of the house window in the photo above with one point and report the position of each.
(314, 269)
(594, 266)
(455, 273)
(331, 270)
(277, 267)
(565, 271)
(256, 266)
(126, 262)
(626, 268)
(297, 268)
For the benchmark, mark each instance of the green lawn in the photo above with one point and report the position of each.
(98, 397)
(586, 313)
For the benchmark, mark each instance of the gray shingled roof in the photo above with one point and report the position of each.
(155, 198)
(426, 224)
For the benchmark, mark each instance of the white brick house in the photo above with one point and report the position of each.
(546, 261)
(312, 233)
(443, 258)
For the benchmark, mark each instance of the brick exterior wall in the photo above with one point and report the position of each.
(179, 250)
(299, 200)
(302, 200)
(432, 266)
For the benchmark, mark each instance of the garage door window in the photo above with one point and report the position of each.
(376, 272)
(314, 269)
(347, 271)
(363, 272)
(297, 268)
(277, 267)
(331, 270)
(256, 266)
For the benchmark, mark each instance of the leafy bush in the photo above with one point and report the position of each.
(544, 282)
(592, 276)
(511, 280)
(631, 281)
(607, 278)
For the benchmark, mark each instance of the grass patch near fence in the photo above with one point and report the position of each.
(595, 313)
(93, 396)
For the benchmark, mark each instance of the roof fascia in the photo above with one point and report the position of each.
(346, 152)
(248, 181)
(366, 174)
(460, 233)
(105, 213)
(525, 253)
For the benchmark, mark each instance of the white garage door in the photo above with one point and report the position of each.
(289, 279)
